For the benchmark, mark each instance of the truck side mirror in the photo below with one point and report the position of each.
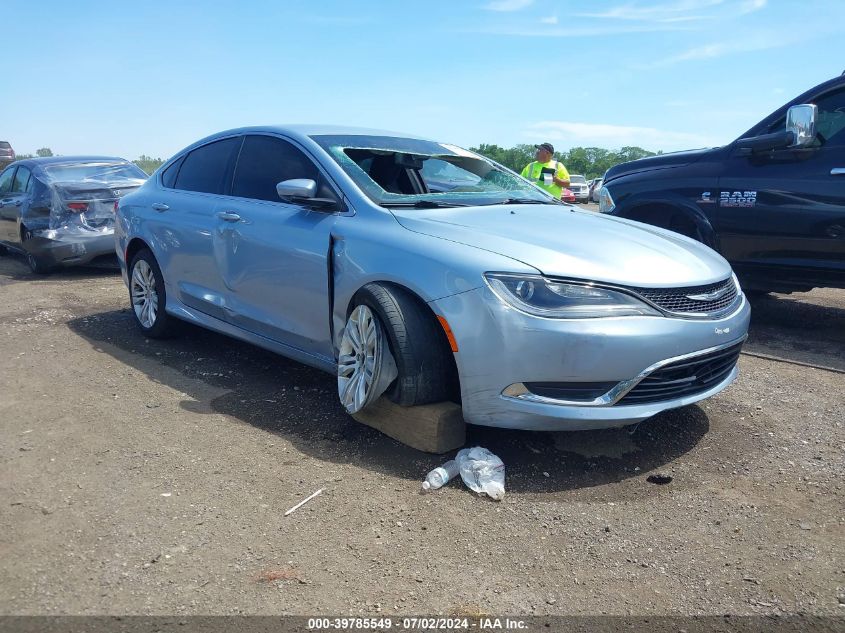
(766, 142)
(801, 121)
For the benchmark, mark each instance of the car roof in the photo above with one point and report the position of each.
(305, 129)
(59, 160)
(303, 132)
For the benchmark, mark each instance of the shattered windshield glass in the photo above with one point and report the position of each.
(96, 171)
(406, 172)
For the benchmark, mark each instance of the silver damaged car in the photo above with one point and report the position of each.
(422, 272)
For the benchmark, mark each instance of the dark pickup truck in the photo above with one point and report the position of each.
(772, 202)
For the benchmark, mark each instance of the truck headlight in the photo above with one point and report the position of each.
(551, 299)
(606, 204)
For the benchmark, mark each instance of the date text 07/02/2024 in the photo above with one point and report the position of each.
(416, 623)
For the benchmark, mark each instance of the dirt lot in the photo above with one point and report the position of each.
(151, 477)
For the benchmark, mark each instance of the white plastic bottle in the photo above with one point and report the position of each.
(440, 476)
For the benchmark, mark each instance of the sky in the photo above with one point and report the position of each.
(150, 77)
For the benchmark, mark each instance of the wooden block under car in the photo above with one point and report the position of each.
(431, 428)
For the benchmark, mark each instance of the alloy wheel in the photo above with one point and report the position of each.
(144, 295)
(359, 361)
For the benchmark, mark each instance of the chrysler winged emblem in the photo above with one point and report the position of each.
(710, 296)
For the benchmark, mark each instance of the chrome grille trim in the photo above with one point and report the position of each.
(693, 301)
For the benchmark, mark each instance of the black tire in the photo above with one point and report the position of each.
(417, 342)
(164, 325)
(38, 265)
(681, 224)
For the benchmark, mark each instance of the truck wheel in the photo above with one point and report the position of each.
(683, 225)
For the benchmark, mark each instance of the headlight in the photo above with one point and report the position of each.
(606, 204)
(543, 297)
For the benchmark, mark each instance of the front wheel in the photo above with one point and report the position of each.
(365, 367)
(389, 328)
(148, 296)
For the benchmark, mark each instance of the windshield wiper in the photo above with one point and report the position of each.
(528, 201)
(423, 204)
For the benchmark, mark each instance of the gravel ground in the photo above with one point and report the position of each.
(149, 477)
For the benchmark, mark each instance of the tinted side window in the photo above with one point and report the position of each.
(264, 162)
(204, 169)
(21, 180)
(168, 176)
(831, 122)
(6, 180)
(830, 125)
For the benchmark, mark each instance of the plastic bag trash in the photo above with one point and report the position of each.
(440, 476)
(482, 471)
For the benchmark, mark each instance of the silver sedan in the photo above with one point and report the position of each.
(422, 272)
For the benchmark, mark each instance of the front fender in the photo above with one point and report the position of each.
(385, 252)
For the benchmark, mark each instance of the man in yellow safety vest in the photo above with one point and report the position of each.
(545, 172)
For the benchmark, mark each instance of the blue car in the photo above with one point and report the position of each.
(422, 272)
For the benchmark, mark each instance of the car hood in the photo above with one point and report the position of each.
(662, 161)
(563, 242)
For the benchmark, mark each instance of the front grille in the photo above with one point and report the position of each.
(684, 377)
(678, 301)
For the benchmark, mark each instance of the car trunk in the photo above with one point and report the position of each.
(87, 205)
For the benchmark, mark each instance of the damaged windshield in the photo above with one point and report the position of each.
(94, 171)
(405, 172)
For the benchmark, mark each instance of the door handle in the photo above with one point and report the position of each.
(837, 171)
(228, 216)
(160, 206)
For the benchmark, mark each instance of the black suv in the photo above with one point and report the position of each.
(772, 202)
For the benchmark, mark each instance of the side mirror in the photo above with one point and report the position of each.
(766, 142)
(297, 188)
(801, 121)
(303, 190)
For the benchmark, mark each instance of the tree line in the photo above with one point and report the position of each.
(147, 163)
(588, 161)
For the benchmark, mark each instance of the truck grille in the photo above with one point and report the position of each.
(684, 377)
(693, 300)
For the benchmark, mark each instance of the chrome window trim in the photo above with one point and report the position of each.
(518, 391)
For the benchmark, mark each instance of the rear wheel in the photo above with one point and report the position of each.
(415, 342)
(148, 296)
(38, 265)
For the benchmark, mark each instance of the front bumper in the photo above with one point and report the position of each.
(70, 247)
(500, 346)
